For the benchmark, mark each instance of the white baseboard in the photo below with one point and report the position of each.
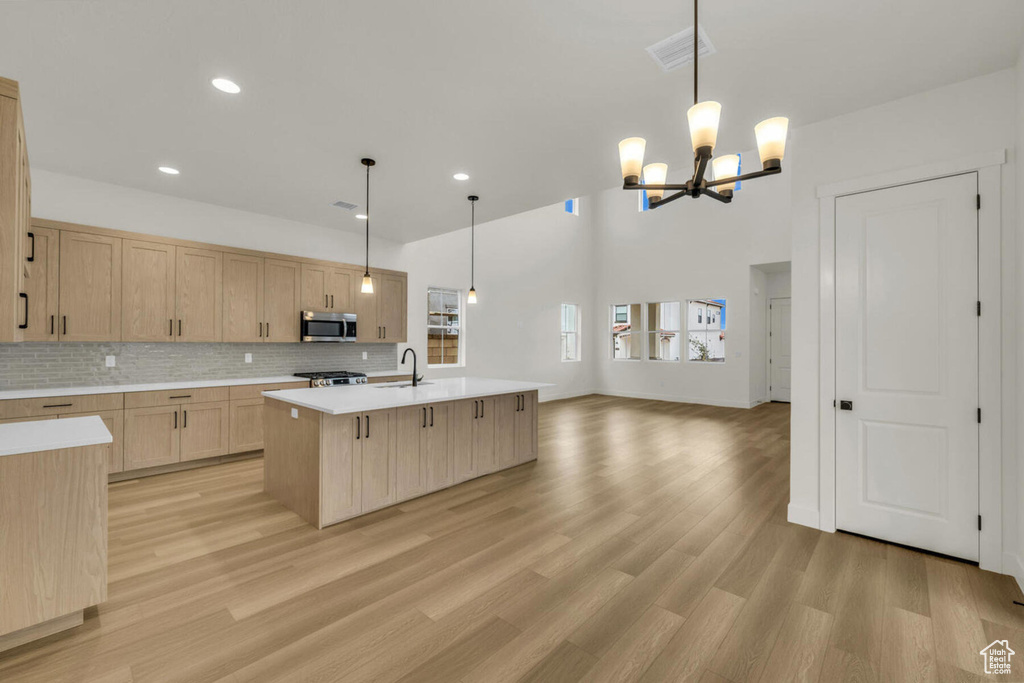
(674, 399)
(802, 516)
(1014, 567)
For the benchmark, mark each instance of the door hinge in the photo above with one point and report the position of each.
(979, 309)
(979, 202)
(979, 415)
(979, 522)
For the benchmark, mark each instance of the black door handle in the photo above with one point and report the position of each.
(268, 330)
(424, 417)
(846, 405)
(482, 404)
(175, 419)
(261, 330)
(431, 416)
(32, 257)
(64, 322)
(359, 428)
(170, 327)
(332, 301)
(24, 296)
(385, 332)
(367, 426)
(476, 409)
(179, 327)
(185, 422)
(52, 330)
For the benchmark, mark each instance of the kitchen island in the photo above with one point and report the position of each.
(334, 453)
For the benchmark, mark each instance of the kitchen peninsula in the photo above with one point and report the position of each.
(331, 454)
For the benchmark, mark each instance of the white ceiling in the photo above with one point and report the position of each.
(529, 97)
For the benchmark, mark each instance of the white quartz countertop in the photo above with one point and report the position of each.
(363, 397)
(50, 392)
(50, 435)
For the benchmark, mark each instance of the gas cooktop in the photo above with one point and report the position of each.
(331, 378)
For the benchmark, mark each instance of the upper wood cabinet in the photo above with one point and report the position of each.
(15, 211)
(198, 307)
(328, 288)
(148, 313)
(90, 287)
(243, 298)
(41, 262)
(282, 300)
(381, 316)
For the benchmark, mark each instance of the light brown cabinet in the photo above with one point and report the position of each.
(15, 212)
(282, 303)
(382, 315)
(90, 287)
(526, 426)
(243, 298)
(204, 430)
(375, 444)
(328, 288)
(148, 301)
(41, 263)
(199, 278)
(114, 420)
(473, 438)
(166, 434)
(423, 455)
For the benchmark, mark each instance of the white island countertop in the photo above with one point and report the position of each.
(342, 400)
(52, 435)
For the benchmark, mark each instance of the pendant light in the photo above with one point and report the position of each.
(703, 119)
(367, 287)
(471, 298)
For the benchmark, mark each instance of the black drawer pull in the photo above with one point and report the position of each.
(60, 405)
(174, 397)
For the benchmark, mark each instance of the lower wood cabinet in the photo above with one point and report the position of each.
(114, 420)
(204, 430)
(516, 428)
(246, 425)
(526, 427)
(162, 435)
(472, 434)
(423, 458)
(375, 443)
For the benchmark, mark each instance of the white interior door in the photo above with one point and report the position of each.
(779, 360)
(907, 361)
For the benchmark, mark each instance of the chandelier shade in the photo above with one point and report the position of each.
(771, 139)
(726, 167)
(703, 118)
(631, 158)
(655, 174)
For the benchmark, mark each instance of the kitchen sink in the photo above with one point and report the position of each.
(401, 386)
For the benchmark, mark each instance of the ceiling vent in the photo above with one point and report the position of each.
(344, 205)
(676, 51)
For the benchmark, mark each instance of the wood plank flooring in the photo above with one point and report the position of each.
(649, 542)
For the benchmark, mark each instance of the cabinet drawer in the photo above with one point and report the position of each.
(173, 397)
(247, 391)
(33, 407)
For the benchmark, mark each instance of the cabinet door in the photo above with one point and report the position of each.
(114, 420)
(526, 430)
(439, 465)
(505, 429)
(341, 482)
(204, 430)
(367, 327)
(464, 417)
(151, 437)
(90, 287)
(243, 298)
(341, 286)
(40, 280)
(376, 439)
(200, 279)
(391, 307)
(147, 311)
(282, 300)
(484, 453)
(314, 288)
(410, 452)
(246, 425)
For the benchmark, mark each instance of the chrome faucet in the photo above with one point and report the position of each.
(415, 378)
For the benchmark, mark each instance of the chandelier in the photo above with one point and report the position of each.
(703, 119)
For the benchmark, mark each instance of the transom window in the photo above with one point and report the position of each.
(444, 327)
(570, 332)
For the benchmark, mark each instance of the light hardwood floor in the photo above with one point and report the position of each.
(649, 542)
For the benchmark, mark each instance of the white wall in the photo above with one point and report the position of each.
(974, 116)
(1014, 472)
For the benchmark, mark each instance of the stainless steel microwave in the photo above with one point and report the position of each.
(328, 327)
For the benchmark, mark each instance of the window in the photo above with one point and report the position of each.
(572, 206)
(644, 204)
(626, 342)
(663, 331)
(444, 331)
(570, 332)
(705, 330)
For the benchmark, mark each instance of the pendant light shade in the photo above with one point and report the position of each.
(655, 174)
(471, 297)
(631, 158)
(367, 287)
(771, 139)
(703, 118)
(724, 167)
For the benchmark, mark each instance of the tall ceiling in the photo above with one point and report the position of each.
(527, 97)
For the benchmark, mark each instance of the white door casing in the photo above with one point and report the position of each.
(779, 359)
(906, 341)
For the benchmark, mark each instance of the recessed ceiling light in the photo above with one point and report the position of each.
(460, 176)
(224, 85)
(169, 170)
(361, 216)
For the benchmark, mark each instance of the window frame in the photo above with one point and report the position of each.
(706, 303)
(461, 326)
(633, 330)
(577, 333)
(649, 331)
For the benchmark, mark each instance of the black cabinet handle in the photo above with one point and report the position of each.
(268, 330)
(261, 330)
(332, 301)
(359, 427)
(59, 405)
(326, 301)
(385, 332)
(24, 296)
(64, 322)
(182, 396)
(424, 417)
(482, 404)
(367, 426)
(179, 327)
(846, 405)
(170, 327)
(32, 257)
(431, 416)
(476, 409)
(175, 419)
(185, 424)
(52, 330)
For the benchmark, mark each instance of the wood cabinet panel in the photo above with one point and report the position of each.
(282, 300)
(410, 452)
(151, 437)
(204, 430)
(484, 450)
(291, 462)
(40, 283)
(439, 465)
(369, 328)
(464, 416)
(341, 479)
(15, 210)
(376, 440)
(525, 419)
(90, 287)
(243, 294)
(391, 307)
(199, 275)
(314, 288)
(145, 399)
(57, 405)
(342, 285)
(114, 420)
(147, 312)
(505, 409)
(246, 425)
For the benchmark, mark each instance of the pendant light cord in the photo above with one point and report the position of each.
(472, 245)
(367, 220)
(695, 100)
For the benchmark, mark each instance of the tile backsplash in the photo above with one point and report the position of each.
(64, 364)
